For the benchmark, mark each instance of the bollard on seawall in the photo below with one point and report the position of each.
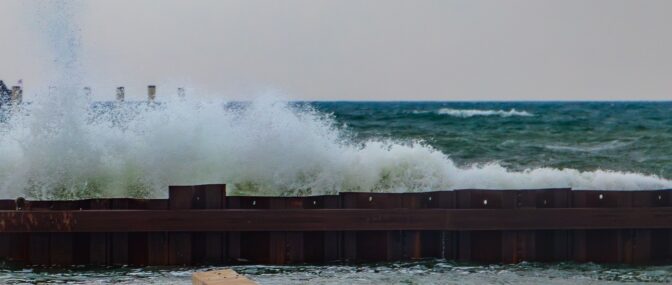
(87, 93)
(180, 93)
(151, 93)
(120, 94)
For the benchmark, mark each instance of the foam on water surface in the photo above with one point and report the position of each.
(420, 272)
(467, 113)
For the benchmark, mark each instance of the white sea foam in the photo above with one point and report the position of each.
(611, 145)
(467, 113)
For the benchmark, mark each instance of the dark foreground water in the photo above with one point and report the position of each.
(425, 272)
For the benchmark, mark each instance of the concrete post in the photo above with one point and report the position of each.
(151, 93)
(180, 93)
(120, 94)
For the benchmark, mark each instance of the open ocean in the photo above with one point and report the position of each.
(587, 136)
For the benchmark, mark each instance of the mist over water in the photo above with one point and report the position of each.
(63, 146)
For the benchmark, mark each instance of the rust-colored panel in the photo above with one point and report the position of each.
(138, 249)
(411, 241)
(7, 204)
(99, 243)
(649, 246)
(157, 248)
(208, 247)
(180, 248)
(181, 198)
(253, 247)
(426, 244)
(481, 246)
(232, 238)
(463, 245)
(609, 246)
(323, 246)
(412, 244)
(541, 245)
(369, 245)
(5, 238)
(82, 249)
(661, 246)
(119, 248)
(157, 242)
(39, 249)
(336, 219)
(61, 249)
(233, 245)
(119, 240)
(357, 200)
(289, 246)
(314, 247)
(449, 239)
(19, 248)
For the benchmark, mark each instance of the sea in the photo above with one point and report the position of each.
(586, 136)
(270, 146)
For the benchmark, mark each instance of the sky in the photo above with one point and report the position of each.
(354, 50)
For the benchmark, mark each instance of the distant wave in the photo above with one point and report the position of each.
(467, 113)
(594, 148)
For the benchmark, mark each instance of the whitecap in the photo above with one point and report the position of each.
(467, 113)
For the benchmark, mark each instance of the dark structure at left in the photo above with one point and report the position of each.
(5, 94)
(202, 225)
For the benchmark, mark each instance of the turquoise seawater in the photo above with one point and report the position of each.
(622, 136)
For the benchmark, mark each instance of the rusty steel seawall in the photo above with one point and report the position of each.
(631, 227)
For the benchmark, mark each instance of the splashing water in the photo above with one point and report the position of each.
(266, 147)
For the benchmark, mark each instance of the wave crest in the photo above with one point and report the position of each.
(467, 113)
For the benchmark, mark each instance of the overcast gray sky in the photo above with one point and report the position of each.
(359, 50)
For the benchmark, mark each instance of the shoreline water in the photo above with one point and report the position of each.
(420, 272)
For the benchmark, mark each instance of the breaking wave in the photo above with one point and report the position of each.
(608, 146)
(467, 113)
